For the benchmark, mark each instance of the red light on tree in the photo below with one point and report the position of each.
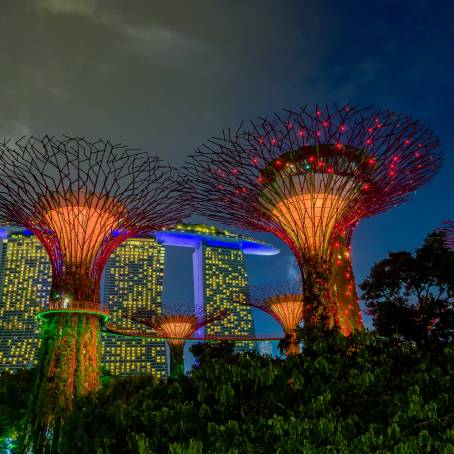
(307, 206)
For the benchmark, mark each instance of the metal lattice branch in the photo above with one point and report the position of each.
(284, 302)
(354, 162)
(177, 324)
(82, 199)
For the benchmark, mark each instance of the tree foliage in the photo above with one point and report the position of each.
(343, 394)
(14, 396)
(411, 296)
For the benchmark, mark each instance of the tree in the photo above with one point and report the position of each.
(205, 352)
(410, 296)
(14, 395)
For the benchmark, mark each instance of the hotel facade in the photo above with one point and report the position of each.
(132, 280)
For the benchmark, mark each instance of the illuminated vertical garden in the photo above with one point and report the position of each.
(309, 176)
(81, 199)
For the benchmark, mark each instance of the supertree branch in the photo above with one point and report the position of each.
(81, 199)
(309, 177)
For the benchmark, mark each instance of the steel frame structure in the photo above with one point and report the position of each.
(177, 326)
(81, 199)
(285, 303)
(309, 177)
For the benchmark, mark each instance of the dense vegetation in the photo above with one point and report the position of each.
(358, 394)
(411, 296)
(389, 390)
(14, 395)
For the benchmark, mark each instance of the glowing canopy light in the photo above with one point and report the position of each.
(285, 304)
(287, 310)
(308, 206)
(84, 199)
(81, 223)
(177, 327)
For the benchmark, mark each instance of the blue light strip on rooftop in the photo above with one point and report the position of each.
(193, 240)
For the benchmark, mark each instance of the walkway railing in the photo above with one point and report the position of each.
(114, 329)
(64, 305)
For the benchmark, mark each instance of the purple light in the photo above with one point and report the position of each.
(193, 240)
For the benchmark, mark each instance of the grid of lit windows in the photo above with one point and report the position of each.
(25, 280)
(223, 284)
(133, 280)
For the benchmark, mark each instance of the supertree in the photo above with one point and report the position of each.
(81, 199)
(176, 326)
(309, 177)
(447, 228)
(285, 304)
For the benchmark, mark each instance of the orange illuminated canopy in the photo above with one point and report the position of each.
(178, 327)
(309, 206)
(287, 309)
(81, 222)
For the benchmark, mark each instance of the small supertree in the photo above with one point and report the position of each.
(447, 228)
(81, 199)
(176, 326)
(309, 177)
(285, 304)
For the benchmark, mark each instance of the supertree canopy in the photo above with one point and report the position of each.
(309, 177)
(81, 199)
(177, 326)
(285, 304)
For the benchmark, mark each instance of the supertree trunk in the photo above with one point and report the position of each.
(176, 351)
(319, 302)
(293, 346)
(69, 357)
(69, 367)
(75, 283)
(348, 311)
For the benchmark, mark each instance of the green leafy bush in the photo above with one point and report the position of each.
(358, 394)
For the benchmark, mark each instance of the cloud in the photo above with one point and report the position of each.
(292, 271)
(14, 130)
(147, 41)
(164, 36)
(79, 7)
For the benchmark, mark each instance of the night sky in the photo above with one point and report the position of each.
(166, 78)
